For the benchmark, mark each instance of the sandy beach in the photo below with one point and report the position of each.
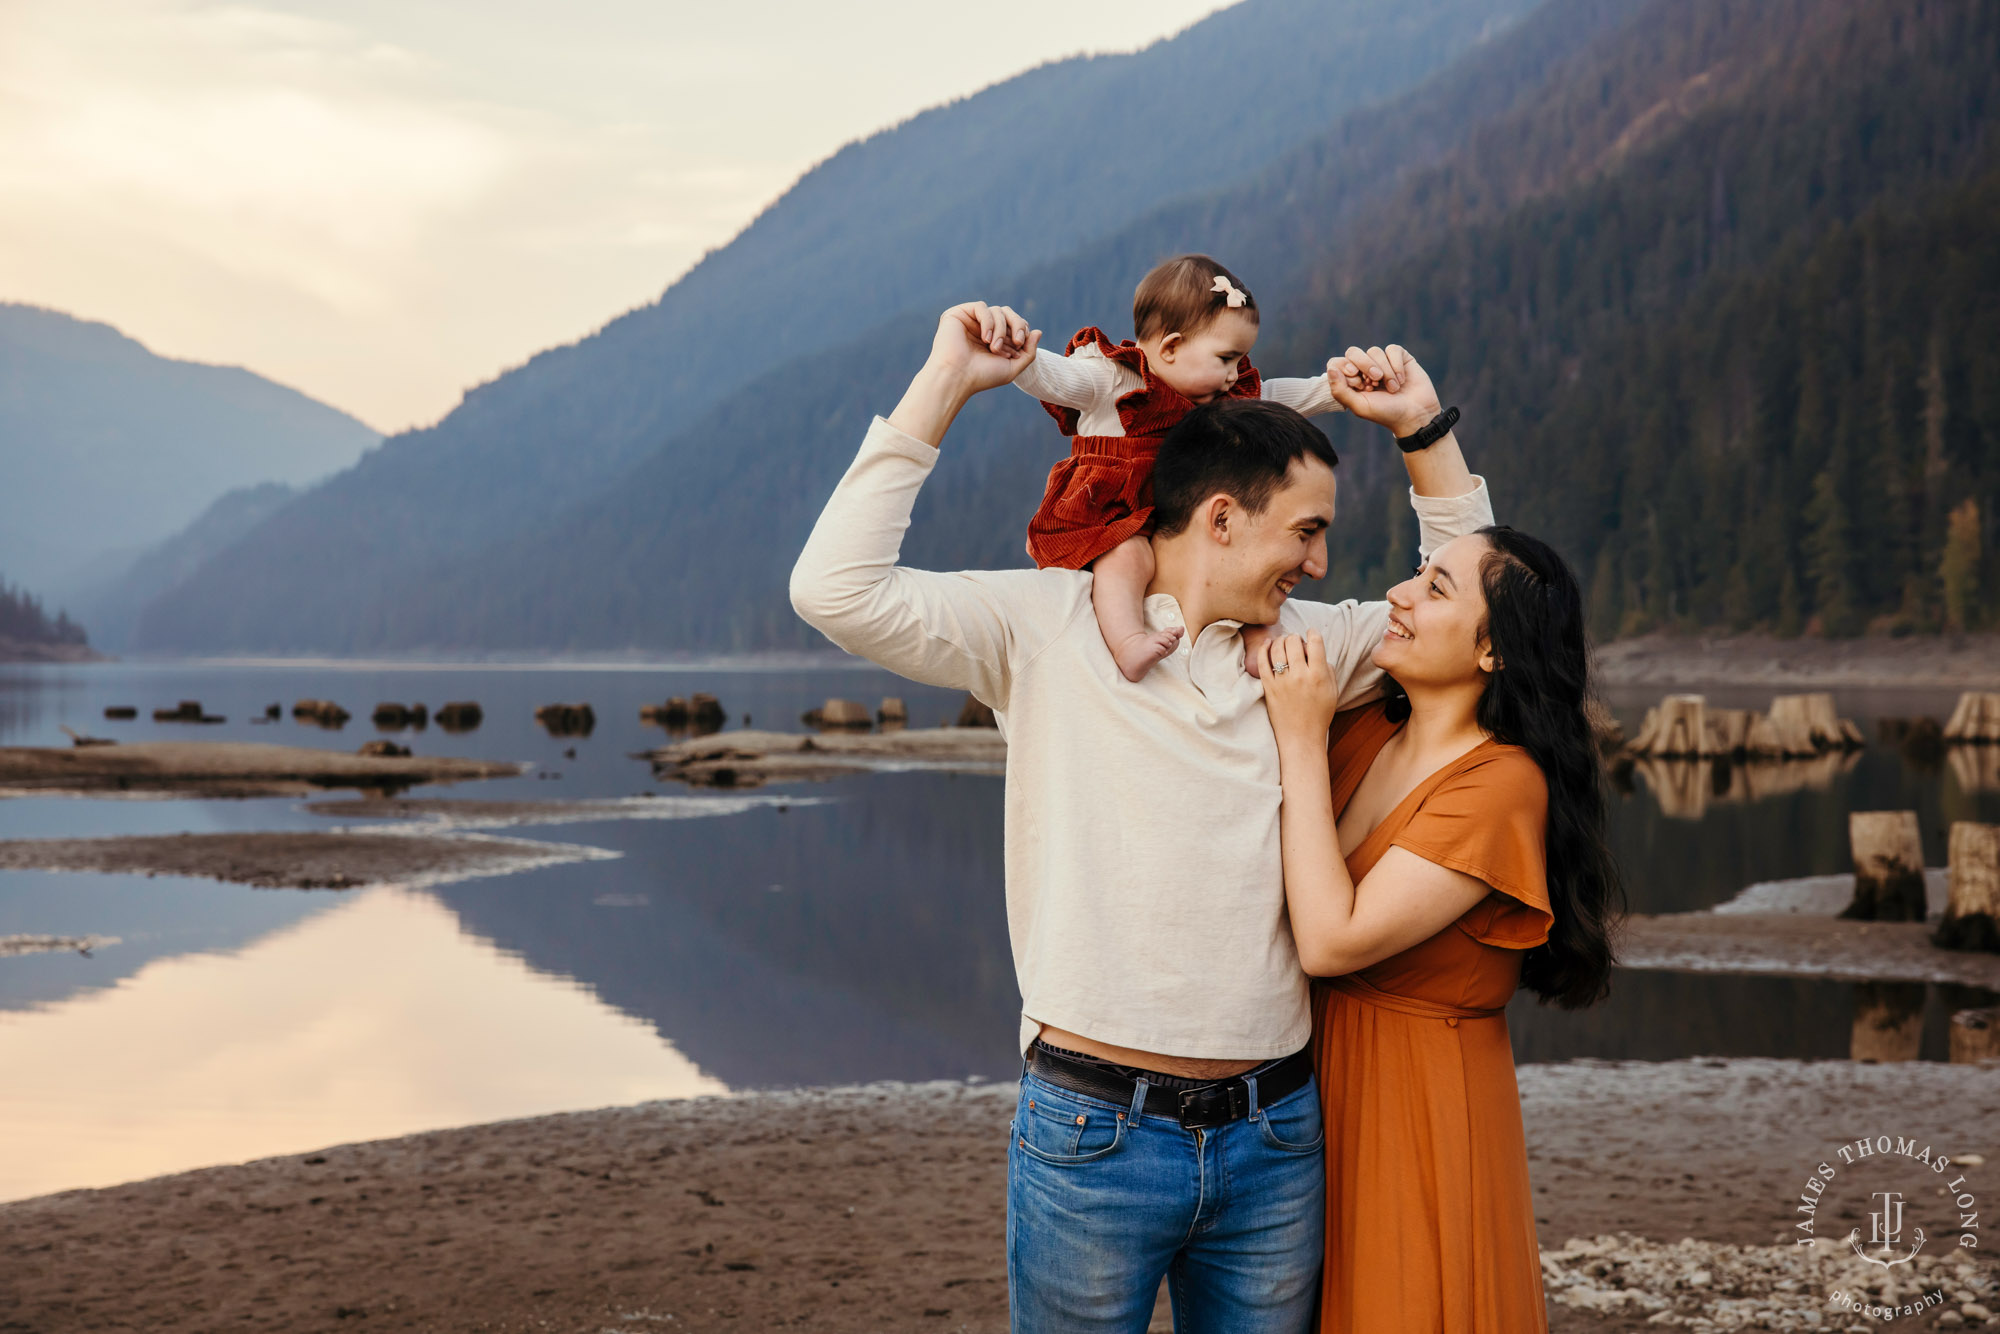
(850, 1210)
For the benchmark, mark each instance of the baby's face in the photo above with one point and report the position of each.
(1202, 365)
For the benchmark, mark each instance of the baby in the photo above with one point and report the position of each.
(1196, 325)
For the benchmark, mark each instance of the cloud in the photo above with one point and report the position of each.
(383, 202)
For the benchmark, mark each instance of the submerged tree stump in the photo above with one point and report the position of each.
(1888, 1021)
(840, 715)
(1975, 1036)
(1976, 719)
(1888, 867)
(1676, 729)
(1728, 732)
(1972, 912)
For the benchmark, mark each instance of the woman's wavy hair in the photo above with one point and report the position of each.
(1537, 699)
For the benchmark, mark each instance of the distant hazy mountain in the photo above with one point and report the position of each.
(106, 448)
(110, 606)
(947, 203)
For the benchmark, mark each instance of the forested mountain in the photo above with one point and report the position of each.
(951, 201)
(1712, 281)
(27, 631)
(106, 447)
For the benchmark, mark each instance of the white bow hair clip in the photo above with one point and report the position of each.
(1237, 296)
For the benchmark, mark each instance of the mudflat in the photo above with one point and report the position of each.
(227, 769)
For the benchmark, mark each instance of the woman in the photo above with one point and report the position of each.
(1442, 847)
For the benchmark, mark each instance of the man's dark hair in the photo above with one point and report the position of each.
(1243, 447)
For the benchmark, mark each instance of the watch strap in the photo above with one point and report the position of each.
(1430, 433)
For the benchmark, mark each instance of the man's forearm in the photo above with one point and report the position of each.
(932, 402)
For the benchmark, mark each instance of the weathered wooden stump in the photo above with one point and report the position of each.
(1728, 732)
(705, 710)
(1888, 867)
(1975, 1036)
(567, 719)
(323, 712)
(1888, 1021)
(975, 714)
(1972, 912)
(1676, 728)
(1975, 720)
(893, 713)
(841, 715)
(672, 713)
(460, 715)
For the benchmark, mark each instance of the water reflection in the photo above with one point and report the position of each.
(1666, 1016)
(1974, 768)
(376, 1018)
(1685, 788)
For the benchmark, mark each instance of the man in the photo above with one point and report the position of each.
(1167, 1124)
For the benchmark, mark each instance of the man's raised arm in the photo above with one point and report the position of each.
(961, 630)
(1388, 387)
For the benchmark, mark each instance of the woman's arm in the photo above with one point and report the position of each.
(1338, 926)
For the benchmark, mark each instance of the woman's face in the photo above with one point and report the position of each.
(1437, 620)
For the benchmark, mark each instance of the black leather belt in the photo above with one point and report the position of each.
(1197, 1107)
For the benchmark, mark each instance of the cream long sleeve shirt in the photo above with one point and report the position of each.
(1092, 384)
(1145, 890)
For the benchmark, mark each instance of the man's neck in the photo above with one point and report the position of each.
(1182, 579)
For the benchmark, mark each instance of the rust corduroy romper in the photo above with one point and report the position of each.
(1103, 492)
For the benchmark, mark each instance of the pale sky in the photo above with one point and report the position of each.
(384, 204)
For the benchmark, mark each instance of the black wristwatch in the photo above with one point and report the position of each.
(1429, 434)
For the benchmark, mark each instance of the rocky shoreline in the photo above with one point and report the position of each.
(882, 1208)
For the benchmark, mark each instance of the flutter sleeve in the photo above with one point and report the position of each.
(1489, 819)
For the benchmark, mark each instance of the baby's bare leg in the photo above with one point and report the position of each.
(1118, 594)
(1254, 639)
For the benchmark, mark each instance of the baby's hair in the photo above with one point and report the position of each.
(1179, 296)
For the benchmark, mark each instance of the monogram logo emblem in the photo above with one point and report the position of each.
(1886, 1232)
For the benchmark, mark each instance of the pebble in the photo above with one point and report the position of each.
(1713, 1286)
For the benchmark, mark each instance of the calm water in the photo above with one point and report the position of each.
(829, 933)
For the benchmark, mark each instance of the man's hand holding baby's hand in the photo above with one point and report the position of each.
(988, 345)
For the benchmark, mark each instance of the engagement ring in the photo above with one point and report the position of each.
(1280, 668)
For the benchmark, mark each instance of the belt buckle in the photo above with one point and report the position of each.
(1216, 1105)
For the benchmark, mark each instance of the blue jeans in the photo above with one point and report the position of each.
(1103, 1201)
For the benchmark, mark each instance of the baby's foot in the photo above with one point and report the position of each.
(1137, 652)
(1254, 639)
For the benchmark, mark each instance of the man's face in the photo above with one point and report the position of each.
(1271, 552)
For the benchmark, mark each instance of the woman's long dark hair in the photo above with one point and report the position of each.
(1537, 700)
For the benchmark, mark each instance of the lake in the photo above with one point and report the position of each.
(820, 934)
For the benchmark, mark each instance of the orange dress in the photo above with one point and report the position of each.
(1430, 1227)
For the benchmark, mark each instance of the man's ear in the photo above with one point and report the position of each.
(1170, 346)
(1218, 512)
